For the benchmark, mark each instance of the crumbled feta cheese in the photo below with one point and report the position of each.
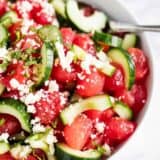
(93, 136)
(107, 149)
(112, 99)
(80, 87)
(100, 126)
(86, 63)
(50, 140)
(62, 99)
(102, 56)
(90, 60)
(4, 137)
(21, 152)
(3, 52)
(69, 59)
(37, 126)
(53, 86)
(31, 109)
(81, 76)
(14, 61)
(27, 23)
(46, 83)
(65, 61)
(31, 99)
(14, 83)
(34, 121)
(24, 7)
(23, 89)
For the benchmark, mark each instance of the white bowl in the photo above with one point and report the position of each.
(117, 10)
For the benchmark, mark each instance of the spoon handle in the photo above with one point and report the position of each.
(126, 27)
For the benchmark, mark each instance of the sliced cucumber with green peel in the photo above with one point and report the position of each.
(101, 103)
(4, 147)
(123, 110)
(8, 18)
(40, 140)
(122, 58)
(79, 53)
(50, 33)
(3, 36)
(64, 152)
(129, 41)
(103, 66)
(47, 63)
(6, 22)
(18, 110)
(97, 21)
(59, 6)
(108, 39)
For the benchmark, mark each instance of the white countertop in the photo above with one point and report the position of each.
(145, 145)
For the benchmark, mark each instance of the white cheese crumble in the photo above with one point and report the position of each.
(3, 52)
(24, 8)
(27, 23)
(65, 61)
(14, 83)
(37, 126)
(22, 88)
(62, 99)
(4, 137)
(93, 136)
(102, 56)
(100, 127)
(21, 152)
(50, 140)
(52, 86)
(31, 109)
(86, 63)
(107, 149)
(31, 99)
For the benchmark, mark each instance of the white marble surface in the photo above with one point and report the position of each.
(145, 145)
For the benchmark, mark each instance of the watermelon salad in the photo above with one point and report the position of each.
(70, 87)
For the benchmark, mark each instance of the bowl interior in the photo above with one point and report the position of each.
(118, 11)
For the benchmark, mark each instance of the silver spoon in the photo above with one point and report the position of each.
(126, 27)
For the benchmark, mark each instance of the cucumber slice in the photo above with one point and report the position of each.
(79, 53)
(107, 39)
(4, 147)
(16, 109)
(41, 141)
(123, 110)
(6, 22)
(103, 66)
(3, 35)
(8, 18)
(101, 102)
(19, 151)
(129, 41)
(47, 63)
(50, 33)
(64, 152)
(122, 58)
(97, 21)
(59, 6)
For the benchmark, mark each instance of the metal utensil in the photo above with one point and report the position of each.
(126, 27)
